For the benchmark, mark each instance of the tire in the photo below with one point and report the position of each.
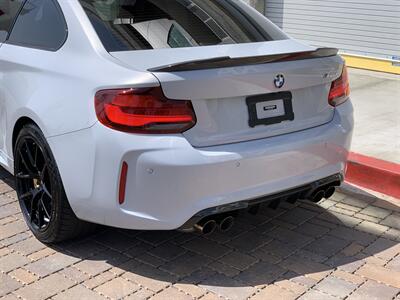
(40, 190)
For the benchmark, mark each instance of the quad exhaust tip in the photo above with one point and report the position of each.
(207, 227)
(226, 224)
(322, 193)
(316, 197)
(329, 192)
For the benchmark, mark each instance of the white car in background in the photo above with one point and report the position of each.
(163, 115)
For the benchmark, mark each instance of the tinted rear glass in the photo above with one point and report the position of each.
(153, 24)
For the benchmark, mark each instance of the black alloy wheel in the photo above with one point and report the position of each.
(34, 183)
(40, 190)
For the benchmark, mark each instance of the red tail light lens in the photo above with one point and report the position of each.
(144, 110)
(340, 89)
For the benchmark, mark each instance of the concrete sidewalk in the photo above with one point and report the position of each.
(376, 100)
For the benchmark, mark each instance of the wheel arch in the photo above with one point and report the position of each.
(18, 119)
(12, 134)
(19, 124)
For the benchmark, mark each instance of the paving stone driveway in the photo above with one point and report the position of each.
(343, 248)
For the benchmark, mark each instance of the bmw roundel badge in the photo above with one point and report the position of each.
(279, 81)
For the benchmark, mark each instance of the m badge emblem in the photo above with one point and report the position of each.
(279, 81)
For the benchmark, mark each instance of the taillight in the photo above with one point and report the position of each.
(340, 89)
(144, 110)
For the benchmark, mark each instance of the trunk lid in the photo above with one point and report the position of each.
(220, 96)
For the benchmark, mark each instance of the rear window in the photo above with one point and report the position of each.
(124, 25)
(40, 24)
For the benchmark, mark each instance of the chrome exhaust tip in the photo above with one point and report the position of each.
(317, 196)
(329, 192)
(206, 228)
(226, 224)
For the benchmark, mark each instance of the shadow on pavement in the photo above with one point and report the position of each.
(288, 243)
(301, 242)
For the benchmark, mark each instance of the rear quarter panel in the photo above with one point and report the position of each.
(56, 89)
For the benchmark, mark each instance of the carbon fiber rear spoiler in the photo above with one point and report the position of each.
(227, 61)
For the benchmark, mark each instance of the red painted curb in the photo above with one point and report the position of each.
(374, 174)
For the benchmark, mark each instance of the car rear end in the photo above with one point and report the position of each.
(241, 114)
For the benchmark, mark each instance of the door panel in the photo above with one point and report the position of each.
(8, 11)
(3, 116)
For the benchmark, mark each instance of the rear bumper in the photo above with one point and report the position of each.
(306, 191)
(169, 181)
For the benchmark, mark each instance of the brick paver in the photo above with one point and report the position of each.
(117, 288)
(392, 221)
(380, 274)
(347, 247)
(274, 292)
(51, 264)
(45, 288)
(8, 284)
(24, 276)
(79, 292)
(336, 286)
(12, 261)
(375, 291)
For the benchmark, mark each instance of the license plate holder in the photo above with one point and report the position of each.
(270, 109)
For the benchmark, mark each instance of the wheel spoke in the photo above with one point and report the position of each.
(27, 194)
(36, 154)
(46, 191)
(39, 216)
(30, 155)
(37, 195)
(43, 172)
(33, 207)
(31, 213)
(44, 208)
(34, 203)
(21, 175)
(27, 167)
